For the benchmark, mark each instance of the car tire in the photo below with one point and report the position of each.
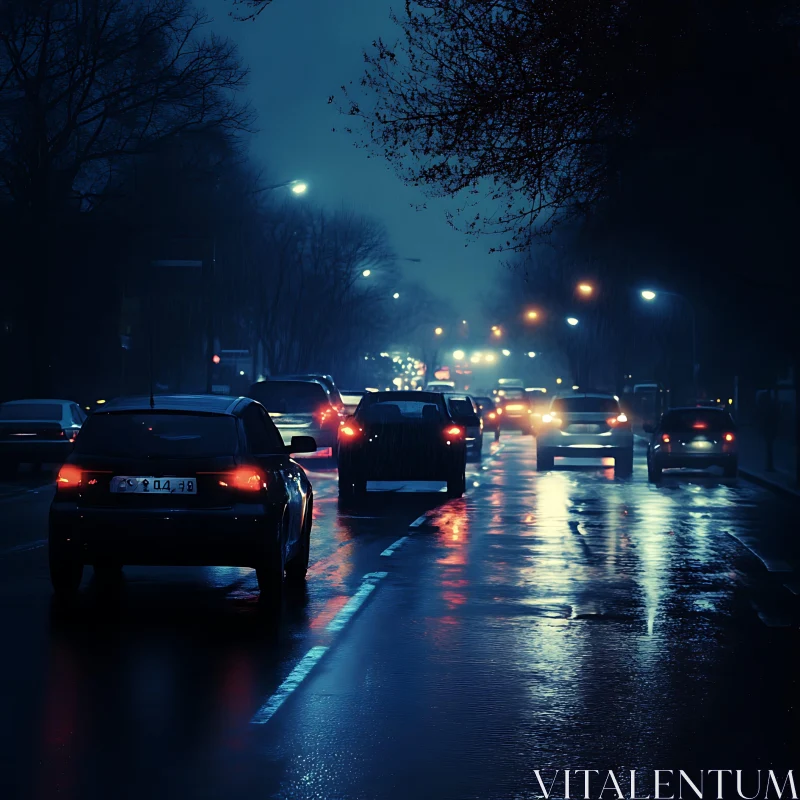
(8, 469)
(66, 573)
(654, 473)
(623, 464)
(270, 574)
(544, 459)
(731, 470)
(457, 484)
(297, 567)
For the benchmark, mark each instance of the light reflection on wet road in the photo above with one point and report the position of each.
(564, 619)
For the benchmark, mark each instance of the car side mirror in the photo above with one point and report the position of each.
(649, 427)
(302, 444)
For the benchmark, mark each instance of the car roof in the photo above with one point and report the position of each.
(190, 403)
(694, 409)
(410, 394)
(603, 395)
(293, 381)
(38, 401)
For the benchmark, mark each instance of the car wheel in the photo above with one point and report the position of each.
(457, 484)
(731, 470)
(623, 464)
(8, 469)
(544, 459)
(297, 568)
(654, 473)
(66, 573)
(270, 573)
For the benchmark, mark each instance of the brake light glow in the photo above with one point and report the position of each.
(620, 419)
(514, 407)
(499, 410)
(349, 430)
(665, 438)
(699, 426)
(246, 479)
(492, 415)
(69, 477)
(729, 437)
(453, 431)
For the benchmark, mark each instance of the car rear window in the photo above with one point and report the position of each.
(462, 408)
(700, 419)
(172, 435)
(33, 411)
(511, 394)
(586, 405)
(399, 411)
(289, 398)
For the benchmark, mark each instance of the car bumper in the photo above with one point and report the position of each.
(517, 422)
(424, 467)
(237, 536)
(42, 452)
(586, 445)
(693, 460)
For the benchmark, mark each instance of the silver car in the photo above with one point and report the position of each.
(585, 426)
(37, 432)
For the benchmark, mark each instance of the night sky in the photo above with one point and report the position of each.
(300, 52)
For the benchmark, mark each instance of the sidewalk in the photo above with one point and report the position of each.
(752, 461)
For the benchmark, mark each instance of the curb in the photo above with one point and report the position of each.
(768, 484)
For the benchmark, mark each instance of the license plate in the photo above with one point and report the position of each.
(584, 428)
(701, 445)
(124, 484)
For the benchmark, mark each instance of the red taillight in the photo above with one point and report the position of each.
(665, 438)
(729, 437)
(349, 431)
(453, 430)
(492, 415)
(69, 477)
(620, 419)
(245, 479)
(700, 426)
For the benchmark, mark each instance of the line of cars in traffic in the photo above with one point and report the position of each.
(211, 481)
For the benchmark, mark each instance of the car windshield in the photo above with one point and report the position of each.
(31, 411)
(284, 397)
(400, 411)
(699, 419)
(578, 405)
(170, 435)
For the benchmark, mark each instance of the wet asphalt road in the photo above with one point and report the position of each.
(545, 621)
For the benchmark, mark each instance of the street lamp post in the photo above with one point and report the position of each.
(650, 296)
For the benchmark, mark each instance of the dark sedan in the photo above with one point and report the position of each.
(401, 436)
(190, 481)
(490, 414)
(694, 438)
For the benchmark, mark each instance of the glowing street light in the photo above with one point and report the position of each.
(585, 289)
(458, 354)
(531, 354)
(494, 327)
(506, 352)
(497, 332)
(572, 321)
(558, 381)
(490, 357)
(648, 295)
(396, 295)
(298, 187)
(463, 322)
(438, 331)
(366, 273)
(532, 315)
